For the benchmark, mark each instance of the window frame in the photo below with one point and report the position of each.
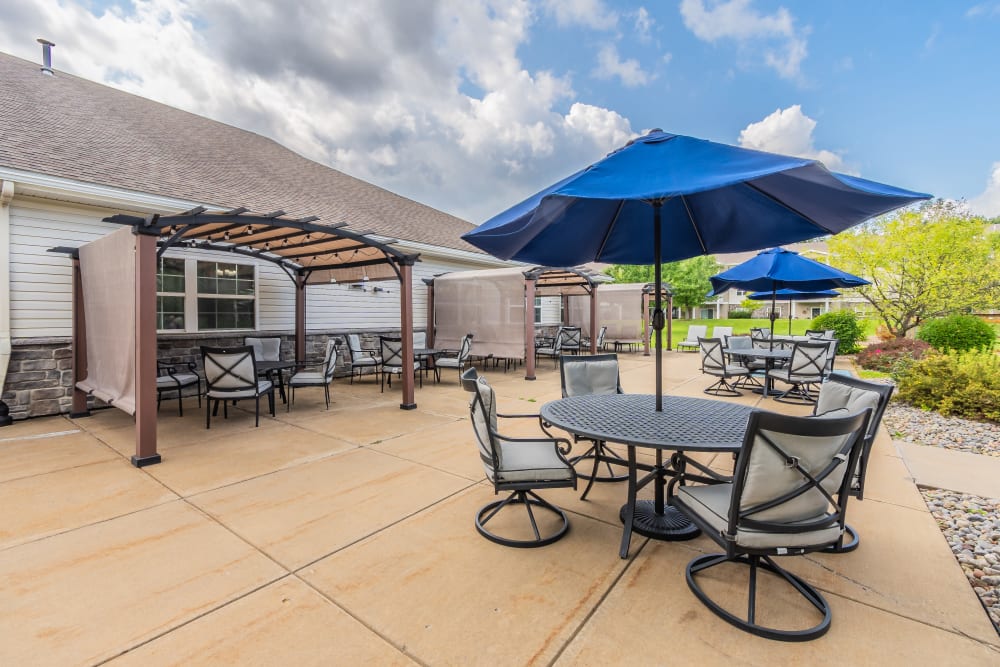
(192, 294)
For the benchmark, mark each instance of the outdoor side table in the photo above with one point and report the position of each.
(684, 425)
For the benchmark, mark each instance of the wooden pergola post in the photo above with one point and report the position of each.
(300, 317)
(79, 407)
(145, 350)
(645, 324)
(593, 318)
(529, 329)
(406, 331)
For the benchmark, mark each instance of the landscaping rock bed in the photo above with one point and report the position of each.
(910, 424)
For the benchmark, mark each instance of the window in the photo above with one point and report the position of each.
(196, 295)
(538, 309)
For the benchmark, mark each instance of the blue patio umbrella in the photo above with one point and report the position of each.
(790, 295)
(666, 197)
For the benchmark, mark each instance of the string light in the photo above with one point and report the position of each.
(267, 246)
(226, 235)
(284, 242)
(249, 230)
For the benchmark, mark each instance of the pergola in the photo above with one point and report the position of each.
(624, 309)
(308, 253)
(507, 293)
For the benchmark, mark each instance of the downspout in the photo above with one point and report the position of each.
(6, 195)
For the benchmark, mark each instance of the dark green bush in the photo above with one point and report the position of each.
(958, 332)
(740, 314)
(966, 384)
(847, 327)
(885, 356)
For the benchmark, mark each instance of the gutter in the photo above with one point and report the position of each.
(6, 195)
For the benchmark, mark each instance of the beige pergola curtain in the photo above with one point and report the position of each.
(619, 308)
(489, 304)
(107, 270)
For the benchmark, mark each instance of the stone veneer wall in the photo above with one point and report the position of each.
(40, 375)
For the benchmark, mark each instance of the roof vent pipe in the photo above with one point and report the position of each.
(46, 56)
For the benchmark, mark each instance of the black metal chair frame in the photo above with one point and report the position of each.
(354, 354)
(328, 365)
(805, 365)
(392, 358)
(599, 452)
(555, 351)
(169, 369)
(521, 493)
(748, 381)
(857, 488)
(246, 383)
(462, 358)
(756, 558)
(713, 346)
(572, 340)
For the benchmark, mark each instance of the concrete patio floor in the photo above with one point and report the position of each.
(346, 537)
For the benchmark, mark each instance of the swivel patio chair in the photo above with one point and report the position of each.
(736, 343)
(762, 333)
(392, 361)
(804, 371)
(585, 375)
(231, 375)
(459, 361)
(517, 465)
(840, 395)
(788, 497)
(321, 378)
(831, 356)
(361, 358)
(695, 332)
(713, 362)
(554, 350)
(176, 377)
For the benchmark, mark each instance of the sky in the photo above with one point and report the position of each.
(471, 106)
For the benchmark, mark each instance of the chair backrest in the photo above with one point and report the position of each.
(589, 374)
(354, 346)
(419, 340)
(739, 343)
(330, 359)
(557, 341)
(721, 332)
(265, 349)
(696, 331)
(808, 361)
(711, 354)
(831, 355)
(600, 337)
(466, 348)
(760, 332)
(843, 393)
(392, 351)
(570, 337)
(229, 368)
(792, 476)
(483, 411)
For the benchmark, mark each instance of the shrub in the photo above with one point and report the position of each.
(847, 327)
(958, 332)
(966, 384)
(740, 314)
(885, 357)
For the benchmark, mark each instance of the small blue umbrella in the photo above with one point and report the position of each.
(790, 295)
(666, 197)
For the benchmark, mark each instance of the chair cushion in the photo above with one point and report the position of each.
(304, 378)
(448, 362)
(399, 369)
(168, 382)
(729, 370)
(531, 462)
(712, 503)
(263, 386)
(836, 396)
(365, 361)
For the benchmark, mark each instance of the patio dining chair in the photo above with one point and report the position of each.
(599, 343)
(517, 465)
(392, 361)
(761, 333)
(319, 378)
(176, 377)
(695, 331)
(571, 339)
(231, 375)
(268, 349)
(788, 497)
(587, 375)
(360, 357)
(840, 395)
(804, 370)
(459, 360)
(736, 343)
(713, 362)
(554, 350)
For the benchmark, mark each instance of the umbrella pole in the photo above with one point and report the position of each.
(789, 317)
(774, 296)
(658, 310)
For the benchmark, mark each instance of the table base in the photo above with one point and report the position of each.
(672, 525)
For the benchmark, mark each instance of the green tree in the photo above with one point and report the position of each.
(688, 278)
(923, 263)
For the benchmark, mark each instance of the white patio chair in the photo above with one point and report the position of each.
(320, 378)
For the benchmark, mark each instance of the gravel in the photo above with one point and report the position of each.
(970, 524)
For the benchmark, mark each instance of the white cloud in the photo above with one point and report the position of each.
(427, 98)
(610, 65)
(590, 13)
(987, 203)
(983, 9)
(784, 45)
(789, 132)
(643, 24)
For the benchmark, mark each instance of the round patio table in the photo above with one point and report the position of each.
(684, 425)
(769, 357)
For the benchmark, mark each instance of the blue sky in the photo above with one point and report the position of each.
(471, 105)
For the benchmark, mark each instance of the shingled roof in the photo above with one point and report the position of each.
(73, 128)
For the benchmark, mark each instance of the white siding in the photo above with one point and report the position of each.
(41, 298)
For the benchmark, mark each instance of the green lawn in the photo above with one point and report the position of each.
(799, 326)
